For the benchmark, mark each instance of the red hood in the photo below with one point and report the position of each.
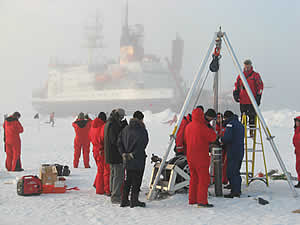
(97, 123)
(198, 115)
(248, 72)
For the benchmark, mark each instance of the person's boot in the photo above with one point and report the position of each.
(134, 200)
(228, 186)
(232, 195)
(200, 205)
(297, 185)
(18, 166)
(124, 201)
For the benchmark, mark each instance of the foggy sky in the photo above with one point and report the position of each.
(267, 32)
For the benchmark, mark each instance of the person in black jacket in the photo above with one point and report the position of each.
(132, 143)
(112, 129)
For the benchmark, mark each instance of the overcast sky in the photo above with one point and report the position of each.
(33, 31)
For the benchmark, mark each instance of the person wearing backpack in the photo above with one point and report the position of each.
(240, 94)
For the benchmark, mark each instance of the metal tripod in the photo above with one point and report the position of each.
(153, 191)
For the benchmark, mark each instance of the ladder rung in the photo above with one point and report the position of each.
(244, 173)
(248, 161)
(258, 178)
(251, 150)
(253, 128)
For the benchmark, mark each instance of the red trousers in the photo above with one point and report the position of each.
(199, 182)
(102, 178)
(224, 174)
(298, 164)
(13, 154)
(86, 154)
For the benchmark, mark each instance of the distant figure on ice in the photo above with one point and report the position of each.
(234, 140)
(112, 129)
(36, 116)
(197, 138)
(51, 119)
(12, 129)
(132, 144)
(172, 121)
(81, 141)
(296, 142)
(240, 94)
(101, 182)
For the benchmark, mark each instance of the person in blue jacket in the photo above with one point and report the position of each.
(234, 140)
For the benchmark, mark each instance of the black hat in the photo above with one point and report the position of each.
(200, 107)
(228, 114)
(16, 115)
(81, 116)
(211, 113)
(102, 116)
(138, 115)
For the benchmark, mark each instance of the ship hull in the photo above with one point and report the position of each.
(72, 108)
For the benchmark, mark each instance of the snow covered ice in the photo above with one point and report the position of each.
(55, 145)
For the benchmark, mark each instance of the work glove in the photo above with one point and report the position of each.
(236, 95)
(124, 123)
(258, 98)
(127, 156)
(130, 156)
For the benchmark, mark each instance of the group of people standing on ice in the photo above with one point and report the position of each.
(119, 147)
(119, 153)
(196, 134)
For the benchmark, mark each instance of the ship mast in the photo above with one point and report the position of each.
(94, 37)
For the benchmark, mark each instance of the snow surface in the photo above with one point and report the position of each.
(44, 144)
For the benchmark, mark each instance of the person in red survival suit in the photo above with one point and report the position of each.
(180, 148)
(240, 95)
(197, 138)
(82, 140)
(103, 171)
(296, 142)
(220, 128)
(13, 128)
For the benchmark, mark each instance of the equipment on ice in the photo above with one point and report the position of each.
(175, 174)
(154, 187)
(29, 185)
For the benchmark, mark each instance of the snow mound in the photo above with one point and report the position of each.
(282, 118)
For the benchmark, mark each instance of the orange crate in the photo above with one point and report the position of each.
(48, 189)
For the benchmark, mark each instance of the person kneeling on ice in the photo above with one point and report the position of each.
(132, 143)
(12, 129)
(234, 140)
(197, 138)
(296, 142)
(82, 140)
(101, 182)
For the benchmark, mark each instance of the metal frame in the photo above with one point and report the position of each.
(153, 192)
(171, 186)
(270, 138)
